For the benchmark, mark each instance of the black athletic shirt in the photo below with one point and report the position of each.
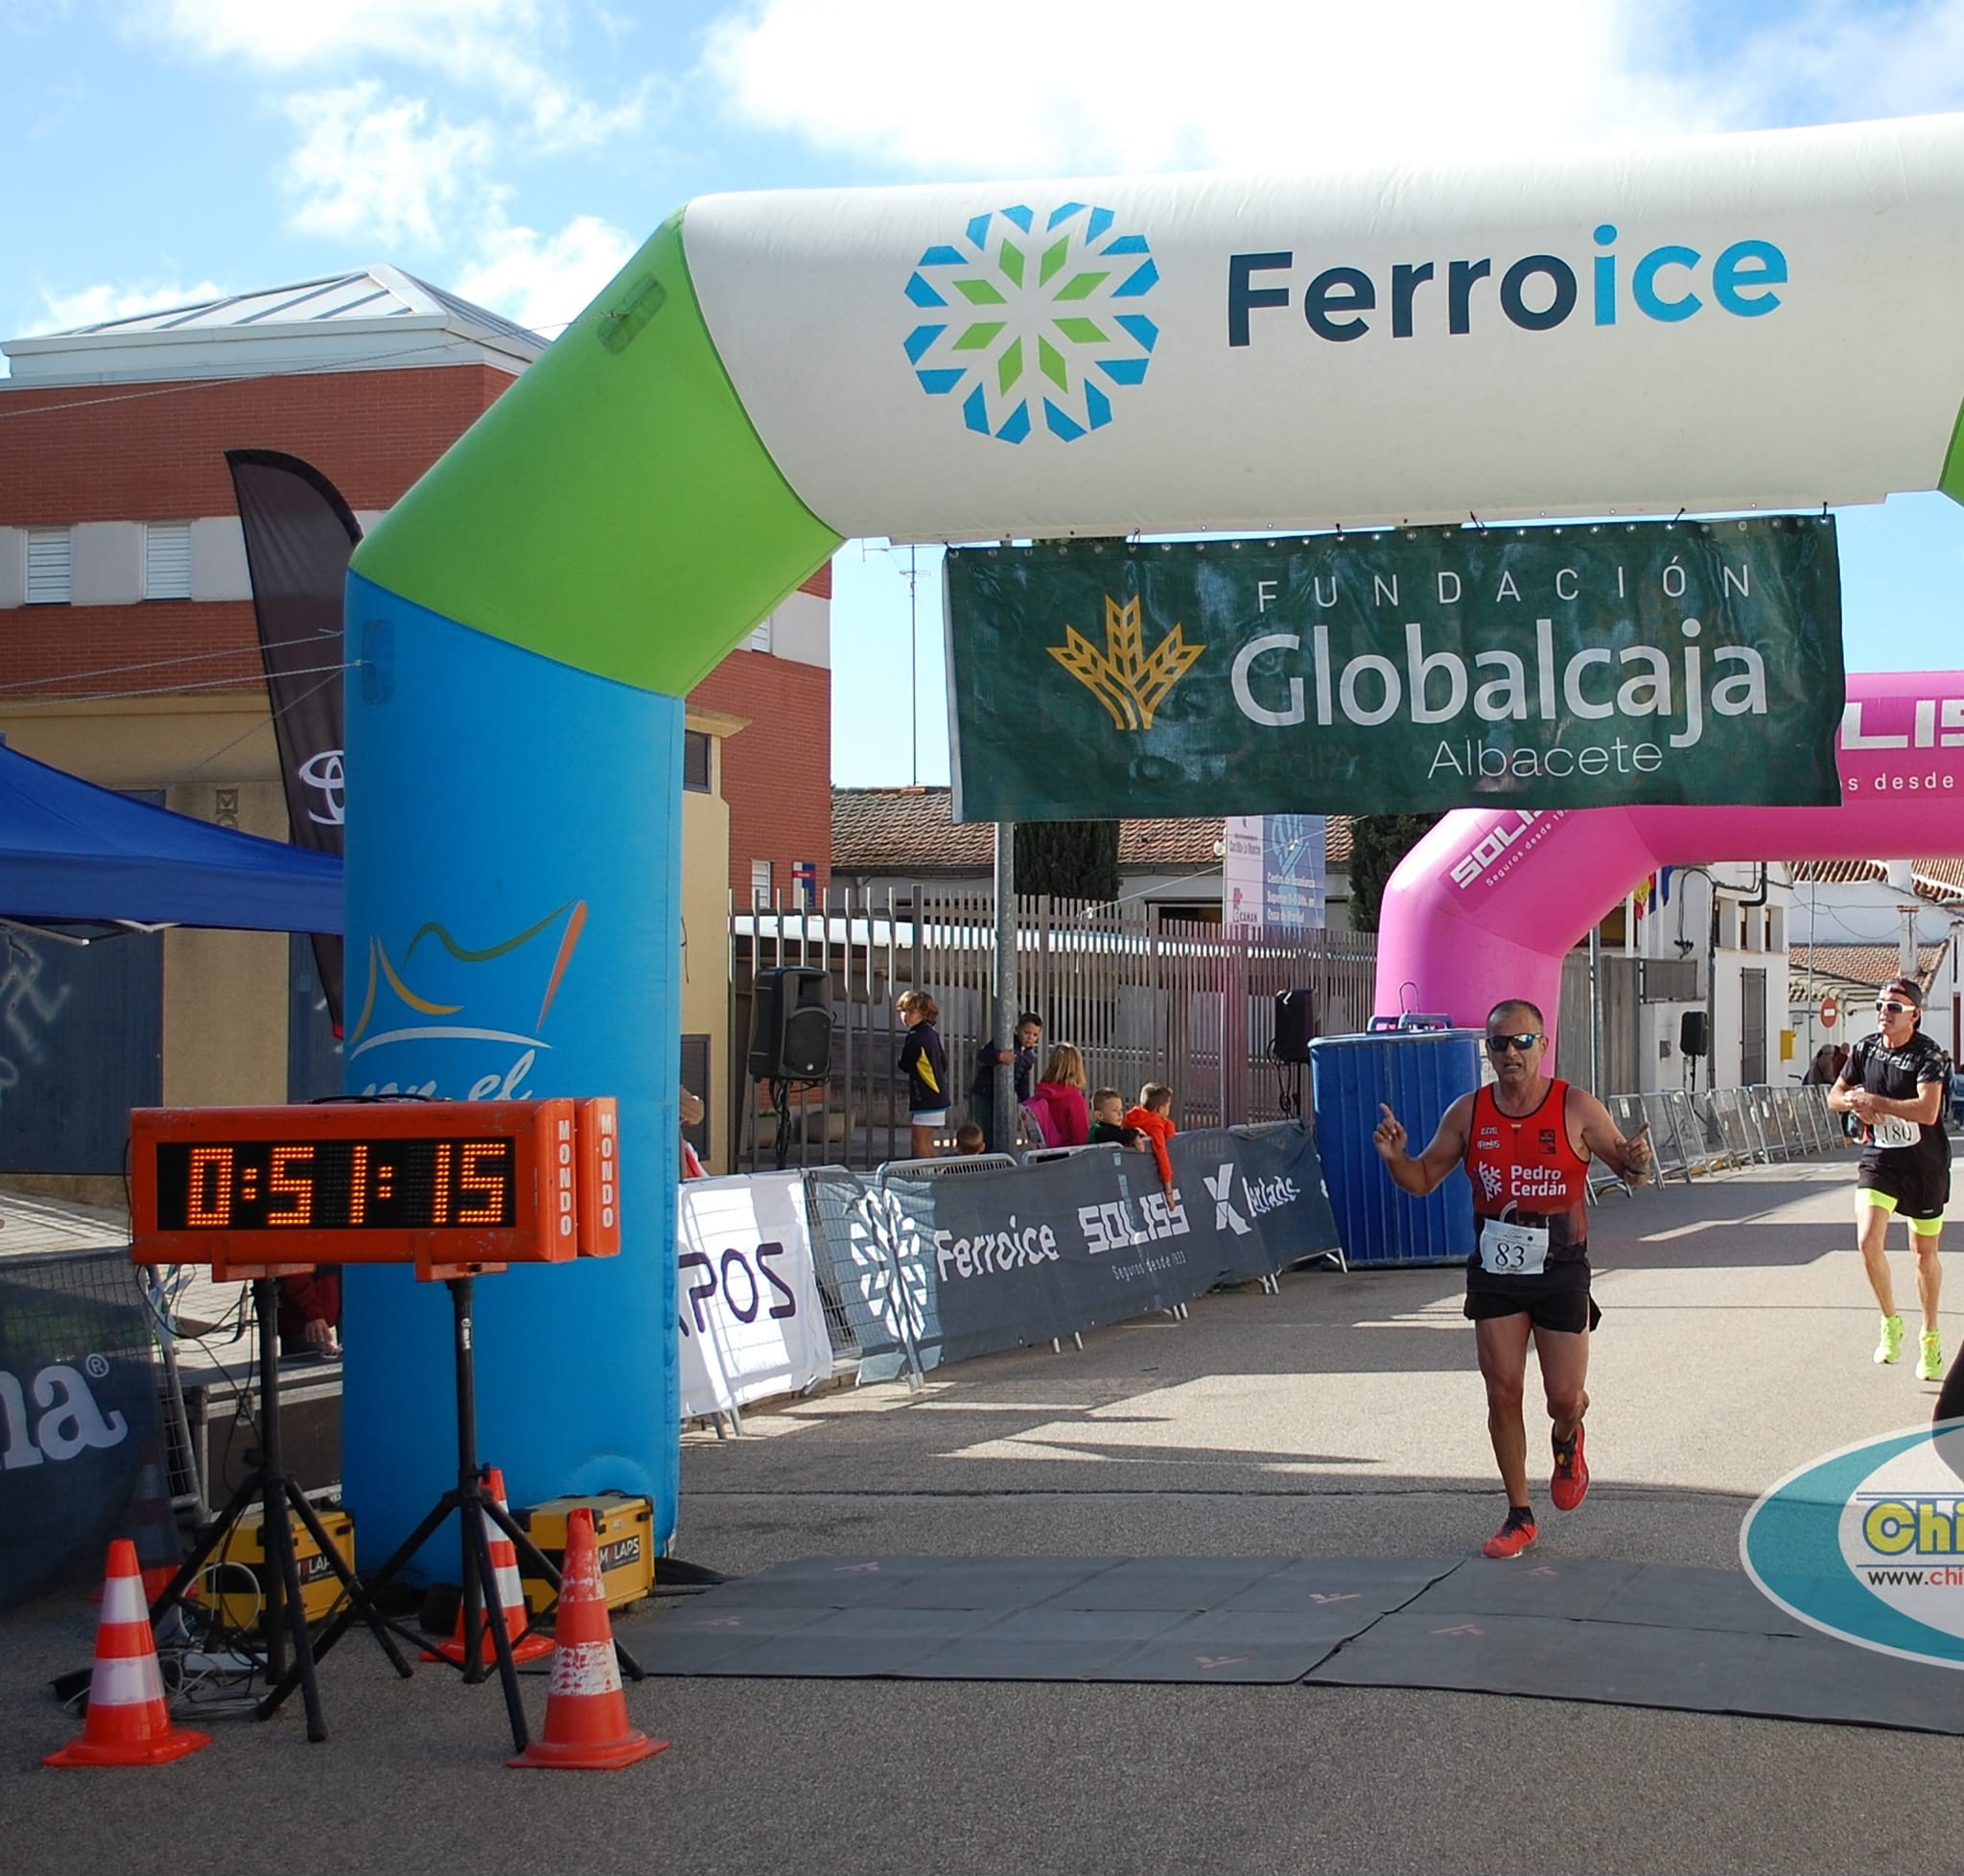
(1897, 1075)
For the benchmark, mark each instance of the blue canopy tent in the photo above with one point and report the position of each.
(72, 853)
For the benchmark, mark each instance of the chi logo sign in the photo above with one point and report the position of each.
(1868, 1544)
(1031, 323)
(1129, 680)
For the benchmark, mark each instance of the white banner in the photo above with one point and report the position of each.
(1764, 320)
(747, 1304)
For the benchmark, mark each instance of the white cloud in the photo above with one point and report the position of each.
(1838, 60)
(506, 49)
(91, 306)
(544, 281)
(1042, 88)
(379, 170)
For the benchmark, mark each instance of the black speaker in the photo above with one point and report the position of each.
(1692, 1038)
(791, 1024)
(1294, 1024)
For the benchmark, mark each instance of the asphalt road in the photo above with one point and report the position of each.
(1341, 1417)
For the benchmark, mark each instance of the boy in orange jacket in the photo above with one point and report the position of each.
(1153, 1118)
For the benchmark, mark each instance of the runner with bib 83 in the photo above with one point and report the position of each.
(1526, 1144)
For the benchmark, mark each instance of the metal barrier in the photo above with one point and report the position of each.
(1723, 1129)
(1628, 1111)
(1736, 1121)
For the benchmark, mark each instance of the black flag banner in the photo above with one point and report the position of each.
(298, 536)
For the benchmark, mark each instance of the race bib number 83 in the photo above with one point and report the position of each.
(1508, 1249)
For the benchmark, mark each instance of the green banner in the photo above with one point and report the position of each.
(1399, 672)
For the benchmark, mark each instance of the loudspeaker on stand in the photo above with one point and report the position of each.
(791, 1024)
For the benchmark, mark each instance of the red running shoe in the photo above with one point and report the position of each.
(1570, 1485)
(1513, 1537)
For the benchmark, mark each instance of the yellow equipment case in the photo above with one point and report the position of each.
(623, 1532)
(244, 1550)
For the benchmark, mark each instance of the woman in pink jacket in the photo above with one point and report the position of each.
(1059, 1103)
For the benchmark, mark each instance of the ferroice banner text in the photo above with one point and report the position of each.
(1399, 672)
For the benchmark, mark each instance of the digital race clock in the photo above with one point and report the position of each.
(442, 1185)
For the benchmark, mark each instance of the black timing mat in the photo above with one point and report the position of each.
(1578, 1629)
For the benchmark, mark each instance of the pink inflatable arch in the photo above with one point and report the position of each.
(1488, 902)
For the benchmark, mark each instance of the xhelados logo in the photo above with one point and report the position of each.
(1030, 324)
(1868, 1544)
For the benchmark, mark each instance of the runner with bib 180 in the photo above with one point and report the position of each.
(1526, 1142)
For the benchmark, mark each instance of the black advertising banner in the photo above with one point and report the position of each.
(1405, 671)
(78, 1419)
(298, 536)
(950, 1266)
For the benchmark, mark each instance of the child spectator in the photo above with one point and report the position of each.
(1022, 1059)
(924, 1064)
(1107, 1124)
(689, 1105)
(969, 1139)
(1154, 1117)
(1059, 1102)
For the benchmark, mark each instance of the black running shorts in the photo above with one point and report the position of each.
(1920, 1190)
(1558, 1298)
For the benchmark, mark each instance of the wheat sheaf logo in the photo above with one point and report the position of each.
(1129, 680)
(1033, 325)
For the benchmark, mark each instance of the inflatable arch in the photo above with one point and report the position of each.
(1767, 321)
(1490, 902)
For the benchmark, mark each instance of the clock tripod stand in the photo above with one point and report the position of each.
(272, 1487)
(478, 1511)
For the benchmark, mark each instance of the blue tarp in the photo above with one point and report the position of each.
(71, 853)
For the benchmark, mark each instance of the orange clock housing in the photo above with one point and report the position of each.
(450, 1187)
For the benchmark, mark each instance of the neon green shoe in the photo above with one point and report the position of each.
(1890, 1348)
(1929, 1362)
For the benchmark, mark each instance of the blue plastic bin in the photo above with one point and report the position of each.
(1419, 1074)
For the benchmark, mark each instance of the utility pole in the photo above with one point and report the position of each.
(1004, 1132)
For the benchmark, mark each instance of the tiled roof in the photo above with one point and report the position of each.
(913, 831)
(1868, 964)
(1939, 880)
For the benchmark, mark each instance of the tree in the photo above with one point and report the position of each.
(1378, 842)
(1068, 860)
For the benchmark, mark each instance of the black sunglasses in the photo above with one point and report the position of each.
(1893, 1008)
(1500, 1044)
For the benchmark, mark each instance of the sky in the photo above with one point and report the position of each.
(516, 152)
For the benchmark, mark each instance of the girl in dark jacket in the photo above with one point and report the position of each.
(923, 1060)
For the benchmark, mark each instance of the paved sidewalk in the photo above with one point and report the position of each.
(1341, 1417)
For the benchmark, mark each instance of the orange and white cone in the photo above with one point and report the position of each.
(586, 1712)
(511, 1598)
(129, 1721)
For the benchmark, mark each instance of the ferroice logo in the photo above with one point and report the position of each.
(1868, 1544)
(1024, 316)
(1129, 680)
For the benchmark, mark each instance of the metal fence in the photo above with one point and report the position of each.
(1145, 998)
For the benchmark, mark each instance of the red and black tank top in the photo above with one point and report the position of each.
(1526, 1169)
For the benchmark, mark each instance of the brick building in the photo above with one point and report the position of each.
(130, 658)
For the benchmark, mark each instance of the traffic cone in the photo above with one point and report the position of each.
(586, 1712)
(511, 1598)
(129, 1721)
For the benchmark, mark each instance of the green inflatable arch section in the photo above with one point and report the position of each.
(614, 509)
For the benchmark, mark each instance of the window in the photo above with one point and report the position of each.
(760, 881)
(50, 566)
(696, 761)
(167, 560)
(757, 639)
